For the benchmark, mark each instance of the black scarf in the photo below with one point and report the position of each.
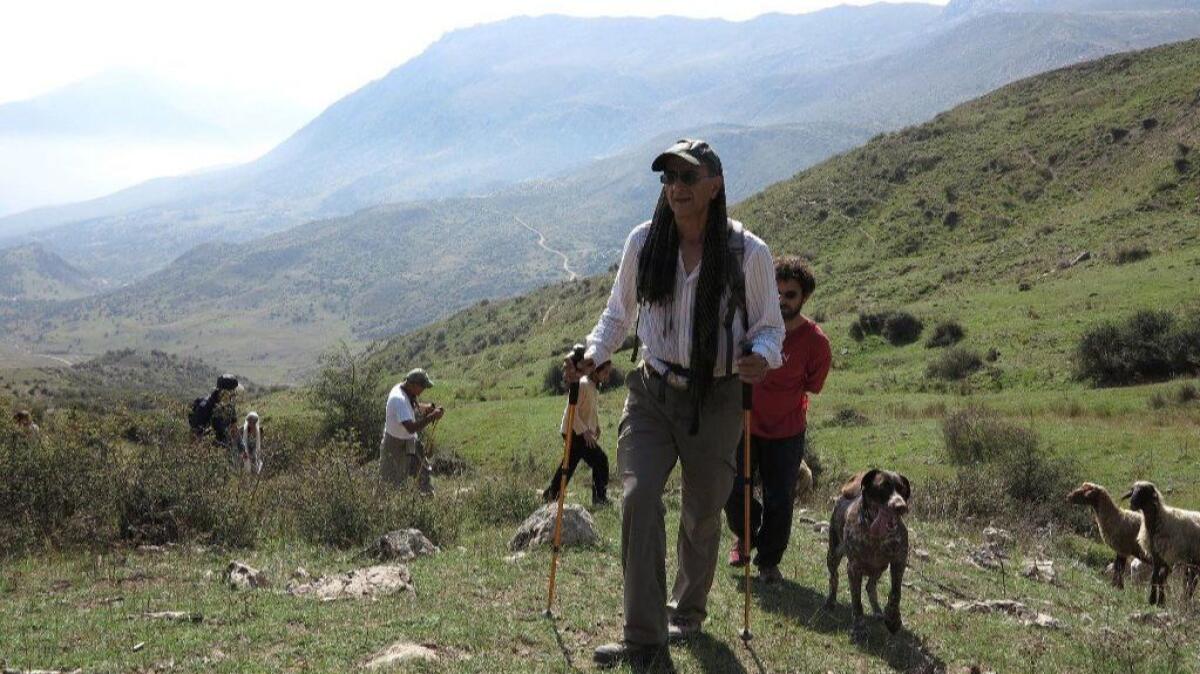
(656, 285)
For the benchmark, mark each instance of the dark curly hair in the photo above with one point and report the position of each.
(796, 268)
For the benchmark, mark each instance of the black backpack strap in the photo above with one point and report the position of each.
(737, 289)
(637, 338)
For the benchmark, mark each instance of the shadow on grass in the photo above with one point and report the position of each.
(903, 651)
(714, 655)
(562, 646)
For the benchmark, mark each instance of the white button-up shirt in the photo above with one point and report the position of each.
(666, 331)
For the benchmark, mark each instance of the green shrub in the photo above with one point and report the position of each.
(954, 364)
(947, 333)
(868, 324)
(184, 490)
(335, 502)
(1149, 346)
(52, 494)
(897, 327)
(345, 393)
(847, 416)
(974, 435)
(553, 382)
(1129, 254)
(1157, 401)
(1002, 472)
(501, 501)
(902, 328)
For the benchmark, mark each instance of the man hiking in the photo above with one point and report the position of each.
(778, 425)
(217, 412)
(404, 417)
(585, 445)
(703, 291)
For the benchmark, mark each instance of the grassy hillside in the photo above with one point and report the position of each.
(950, 220)
(139, 379)
(30, 272)
(875, 248)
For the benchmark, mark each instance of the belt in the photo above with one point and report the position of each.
(676, 381)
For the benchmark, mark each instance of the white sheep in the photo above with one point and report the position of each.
(1119, 528)
(1170, 535)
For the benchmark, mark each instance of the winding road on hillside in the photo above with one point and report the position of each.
(566, 262)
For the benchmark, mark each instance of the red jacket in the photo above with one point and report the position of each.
(781, 399)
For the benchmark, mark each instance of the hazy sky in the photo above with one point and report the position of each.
(310, 53)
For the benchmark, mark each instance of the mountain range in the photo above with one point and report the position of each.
(1025, 217)
(270, 304)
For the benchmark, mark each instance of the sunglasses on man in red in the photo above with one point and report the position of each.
(689, 177)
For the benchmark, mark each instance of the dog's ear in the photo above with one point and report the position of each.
(868, 481)
(853, 486)
(904, 487)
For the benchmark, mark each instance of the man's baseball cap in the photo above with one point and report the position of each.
(418, 376)
(694, 152)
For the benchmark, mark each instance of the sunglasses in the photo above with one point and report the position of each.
(689, 177)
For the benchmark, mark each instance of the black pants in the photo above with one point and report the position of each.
(777, 464)
(592, 456)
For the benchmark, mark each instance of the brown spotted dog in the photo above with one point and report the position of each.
(867, 529)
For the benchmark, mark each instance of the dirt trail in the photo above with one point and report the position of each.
(542, 242)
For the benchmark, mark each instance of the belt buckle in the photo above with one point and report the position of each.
(676, 381)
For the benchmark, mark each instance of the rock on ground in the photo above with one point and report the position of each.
(366, 583)
(401, 652)
(1041, 570)
(578, 528)
(175, 616)
(1025, 615)
(401, 545)
(243, 577)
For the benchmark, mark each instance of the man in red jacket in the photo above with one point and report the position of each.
(778, 425)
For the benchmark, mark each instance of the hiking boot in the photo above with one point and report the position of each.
(770, 575)
(737, 557)
(641, 657)
(680, 630)
(600, 501)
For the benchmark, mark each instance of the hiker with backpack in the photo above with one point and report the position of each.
(217, 413)
(585, 446)
(708, 321)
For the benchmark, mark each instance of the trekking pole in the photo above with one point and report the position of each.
(747, 492)
(568, 434)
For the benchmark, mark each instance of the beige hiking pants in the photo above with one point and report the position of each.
(653, 436)
(400, 460)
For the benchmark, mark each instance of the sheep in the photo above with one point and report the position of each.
(804, 483)
(1170, 535)
(1118, 527)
